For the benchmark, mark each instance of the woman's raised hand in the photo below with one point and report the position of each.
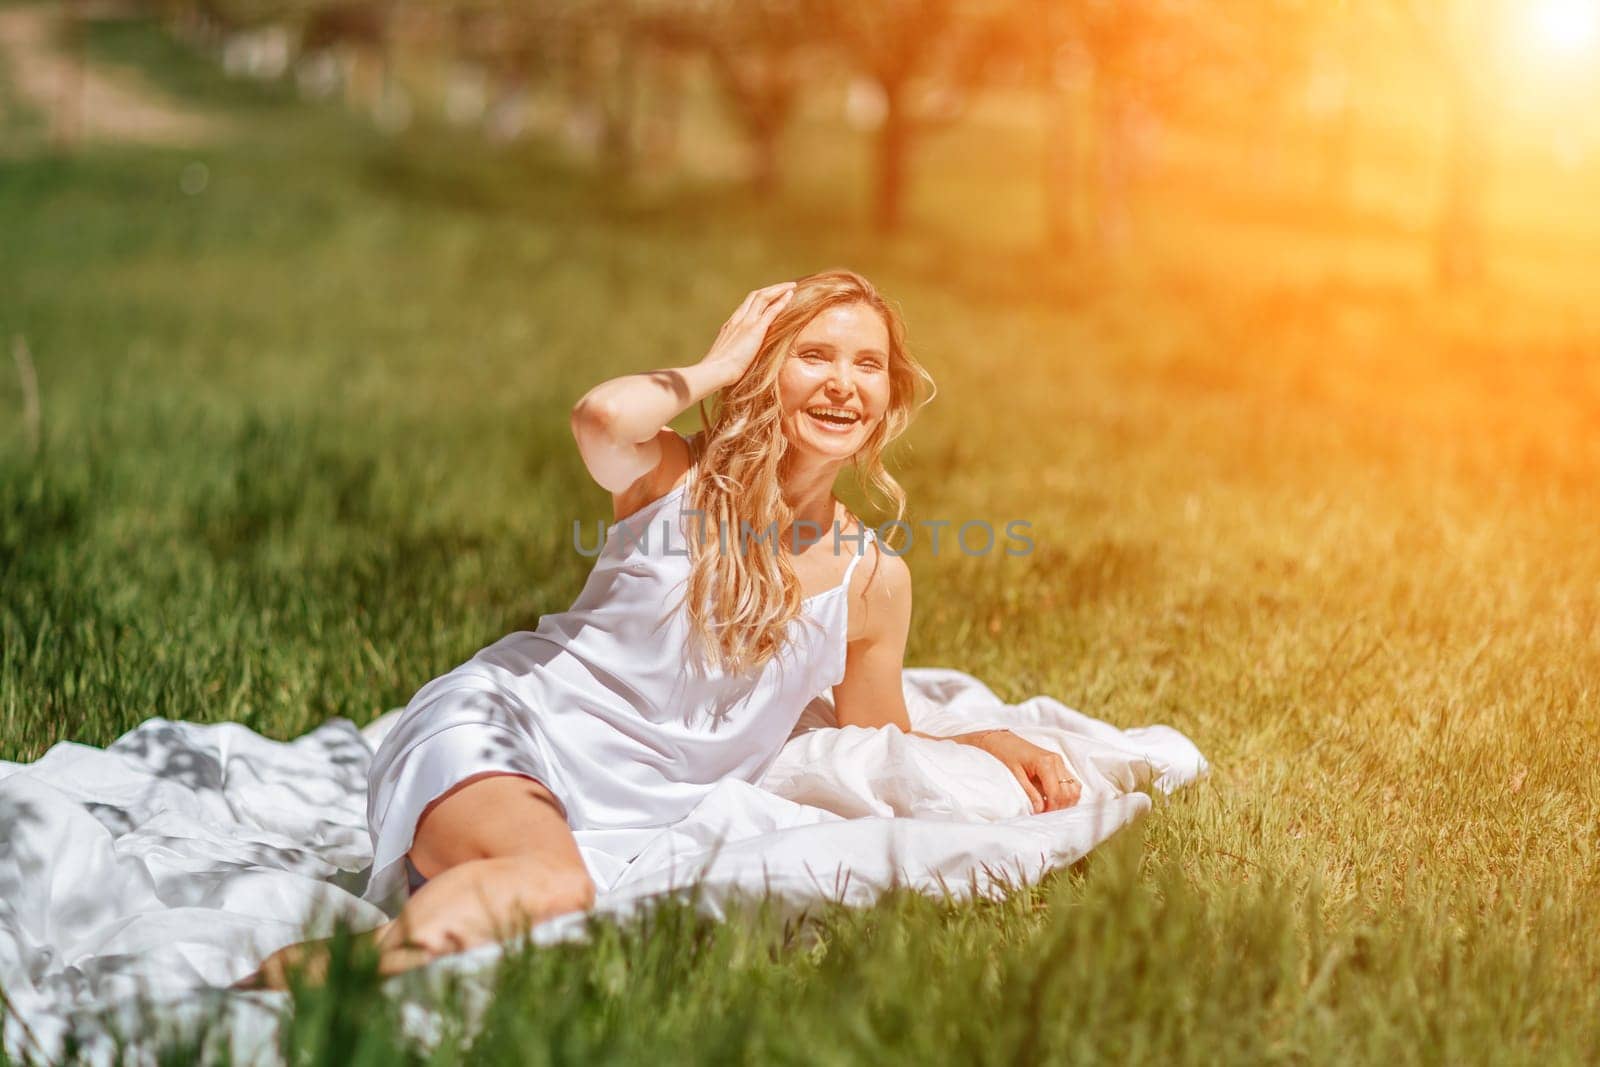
(740, 337)
(1043, 774)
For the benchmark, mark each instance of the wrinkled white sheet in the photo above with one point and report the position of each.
(169, 864)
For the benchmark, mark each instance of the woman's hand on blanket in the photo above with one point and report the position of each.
(1043, 774)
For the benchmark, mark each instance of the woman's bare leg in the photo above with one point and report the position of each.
(498, 856)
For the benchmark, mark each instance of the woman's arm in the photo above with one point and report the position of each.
(872, 692)
(617, 423)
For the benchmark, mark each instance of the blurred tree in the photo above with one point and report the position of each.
(208, 22)
(892, 42)
(1039, 42)
(482, 44)
(1144, 61)
(342, 22)
(1464, 39)
(66, 121)
(359, 31)
(755, 49)
(584, 50)
(616, 35)
(1106, 70)
(513, 44)
(666, 65)
(600, 72)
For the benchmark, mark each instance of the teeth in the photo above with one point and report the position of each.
(835, 412)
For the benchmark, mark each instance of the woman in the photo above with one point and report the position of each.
(726, 597)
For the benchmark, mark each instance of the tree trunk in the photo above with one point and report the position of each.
(666, 114)
(66, 127)
(620, 97)
(894, 140)
(764, 159)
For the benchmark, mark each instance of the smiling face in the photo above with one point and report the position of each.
(834, 385)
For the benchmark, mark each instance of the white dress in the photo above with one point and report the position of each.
(602, 705)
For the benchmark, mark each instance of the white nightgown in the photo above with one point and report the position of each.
(601, 704)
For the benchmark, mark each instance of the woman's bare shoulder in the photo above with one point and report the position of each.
(668, 474)
(880, 592)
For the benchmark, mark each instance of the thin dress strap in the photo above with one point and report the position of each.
(856, 557)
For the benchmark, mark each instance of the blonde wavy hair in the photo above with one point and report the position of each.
(742, 601)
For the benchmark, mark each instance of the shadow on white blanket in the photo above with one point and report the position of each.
(170, 863)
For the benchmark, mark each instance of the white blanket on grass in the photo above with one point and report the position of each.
(159, 870)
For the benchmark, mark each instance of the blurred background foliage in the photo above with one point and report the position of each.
(1105, 130)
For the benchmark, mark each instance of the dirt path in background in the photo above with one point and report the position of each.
(80, 101)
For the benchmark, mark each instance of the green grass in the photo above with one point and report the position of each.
(305, 448)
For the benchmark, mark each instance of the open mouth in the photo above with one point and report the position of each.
(834, 420)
